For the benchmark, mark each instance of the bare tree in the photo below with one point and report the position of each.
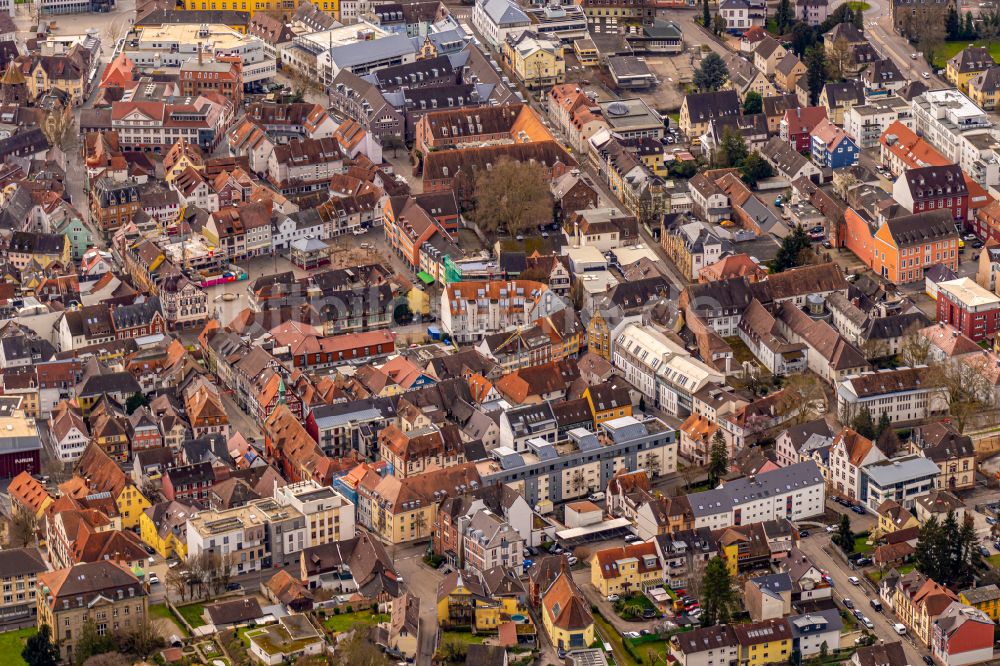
(114, 31)
(838, 58)
(176, 581)
(59, 129)
(874, 348)
(23, 528)
(915, 348)
(963, 387)
(695, 576)
(513, 196)
(806, 398)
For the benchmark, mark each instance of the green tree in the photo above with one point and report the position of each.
(858, 19)
(784, 16)
(816, 73)
(793, 246)
(863, 424)
(884, 423)
(718, 24)
(732, 151)
(755, 169)
(40, 649)
(970, 27)
(844, 538)
(928, 549)
(706, 16)
(91, 642)
(888, 442)
(712, 73)
(803, 36)
(753, 102)
(953, 24)
(718, 598)
(135, 401)
(718, 460)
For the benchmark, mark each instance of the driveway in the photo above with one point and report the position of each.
(582, 578)
(815, 547)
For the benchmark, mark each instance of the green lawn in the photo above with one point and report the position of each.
(651, 651)
(608, 633)
(11, 644)
(463, 636)
(192, 613)
(861, 545)
(949, 49)
(994, 561)
(344, 621)
(161, 611)
(855, 5)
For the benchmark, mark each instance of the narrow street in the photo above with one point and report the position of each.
(815, 547)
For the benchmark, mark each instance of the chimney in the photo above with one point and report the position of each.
(199, 53)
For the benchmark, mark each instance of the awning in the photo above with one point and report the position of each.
(425, 277)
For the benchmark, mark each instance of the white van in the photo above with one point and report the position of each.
(596, 497)
(900, 628)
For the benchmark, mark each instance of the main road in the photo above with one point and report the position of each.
(815, 547)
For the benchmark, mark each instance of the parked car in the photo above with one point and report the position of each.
(853, 580)
(899, 628)
(857, 509)
(234, 587)
(831, 528)
(648, 614)
(928, 660)
(613, 598)
(631, 634)
(631, 538)
(153, 579)
(868, 623)
(984, 551)
(858, 614)
(977, 244)
(876, 604)
(695, 614)
(572, 560)
(848, 604)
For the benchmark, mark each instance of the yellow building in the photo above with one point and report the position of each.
(131, 505)
(609, 400)
(164, 528)
(985, 598)
(767, 642)
(984, 88)
(538, 60)
(566, 614)
(968, 63)
(283, 7)
(699, 109)
(48, 72)
(599, 336)
(466, 600)
(626, 570)
(181, 156)
(893, 517)
(404, 510)
(586, 52)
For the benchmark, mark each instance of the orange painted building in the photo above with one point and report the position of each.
(901, 248)
(904, 246)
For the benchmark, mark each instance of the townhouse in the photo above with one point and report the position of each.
(953, 453)
(849, 453)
